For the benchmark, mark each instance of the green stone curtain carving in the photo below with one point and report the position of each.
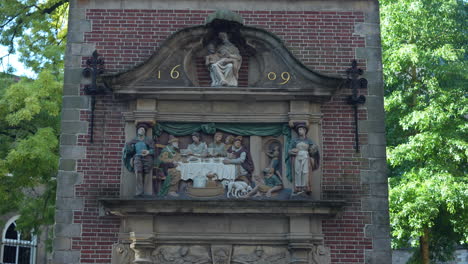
(241, 129)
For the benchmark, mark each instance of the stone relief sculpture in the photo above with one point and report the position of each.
(269, 184)
(169, 158)
(304, 159)
(275, 154)
(321, 255)
(240, 156)
(138, 157)
(217, 148)
(259, 256)
(122, 254)
(221, 167)
(180, 255)
(197, 148)
(221, 254)
(223, 62)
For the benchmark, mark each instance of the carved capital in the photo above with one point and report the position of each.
(141, 116)
(143, 246)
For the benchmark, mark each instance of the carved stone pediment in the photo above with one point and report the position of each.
(268, 71)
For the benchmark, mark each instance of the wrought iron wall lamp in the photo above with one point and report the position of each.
(355, 99)
(94, 68)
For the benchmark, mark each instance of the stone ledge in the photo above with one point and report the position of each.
(151, 206)
(316, 94)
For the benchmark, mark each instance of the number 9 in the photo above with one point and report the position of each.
(286, 77)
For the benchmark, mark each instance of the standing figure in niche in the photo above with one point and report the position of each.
(197, 147)
(138, 158)
(304, 159)
(217, 146)
(240, 156)
(224, 63)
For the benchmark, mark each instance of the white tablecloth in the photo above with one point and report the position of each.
(192, 169)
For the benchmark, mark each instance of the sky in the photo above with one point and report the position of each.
(13, 60)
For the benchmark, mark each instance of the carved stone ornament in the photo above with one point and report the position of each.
(321, 255)
(219, 59)
(260, 255)
(221, 254)
(122, 254)
(181, 255)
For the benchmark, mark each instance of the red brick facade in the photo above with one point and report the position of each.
(323, 41)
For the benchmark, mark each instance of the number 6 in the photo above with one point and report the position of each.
(175, 74)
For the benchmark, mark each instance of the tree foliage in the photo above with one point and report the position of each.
(426, 100)
(30, 109)
(37, 30)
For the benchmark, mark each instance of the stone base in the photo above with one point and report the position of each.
(222, 232)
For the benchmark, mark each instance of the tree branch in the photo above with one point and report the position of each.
(52, 8)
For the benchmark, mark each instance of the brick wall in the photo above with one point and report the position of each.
(323, 41)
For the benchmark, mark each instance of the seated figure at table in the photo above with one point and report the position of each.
(197, 147)
(228, 142)
(268, 185)
(217, 147)
(169, 157)
(240, 156)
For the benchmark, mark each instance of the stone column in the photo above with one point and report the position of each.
(256, 152)
(300, 239)
(315, 133)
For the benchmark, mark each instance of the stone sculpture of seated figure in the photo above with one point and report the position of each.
(223, 63)
(197, 148)
(217, 147)
(268, 185)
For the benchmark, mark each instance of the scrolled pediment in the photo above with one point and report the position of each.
(268, 70)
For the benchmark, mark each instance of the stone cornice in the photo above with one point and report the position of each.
(152, 206)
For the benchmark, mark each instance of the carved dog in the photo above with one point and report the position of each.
(238, 189)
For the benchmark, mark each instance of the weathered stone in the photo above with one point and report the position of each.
(70, 204)
(373, 57)
(378, 164)
(374, 204)
(67, 164)
(71, 102)
(66, 182)
(67, 230)
(377, 256)
(69, 127)
(64, 217)
(70, 115)
(370, 126)
(368, 176)
(366, 29)
(73, 76)
(66, 257)
(373, 151)
(62, 243)
(72, 152)
(66, 139)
